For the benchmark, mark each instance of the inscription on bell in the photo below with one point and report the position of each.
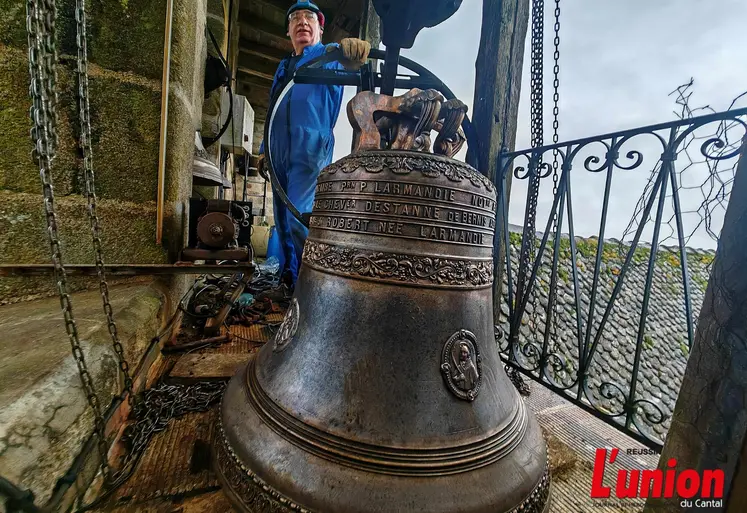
(403, 209)
(334, 204)
(451, 235)
(409, 189)
(408, 230)
(482, 202)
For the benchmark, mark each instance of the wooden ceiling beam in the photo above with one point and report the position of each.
(257, 66)
(263, 51)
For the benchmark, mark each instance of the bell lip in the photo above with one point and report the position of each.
(295, 480)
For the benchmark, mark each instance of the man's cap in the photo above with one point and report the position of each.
(309, 6)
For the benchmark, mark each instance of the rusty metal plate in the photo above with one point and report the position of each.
(176, 462)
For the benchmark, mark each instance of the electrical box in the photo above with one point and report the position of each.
(239, 135)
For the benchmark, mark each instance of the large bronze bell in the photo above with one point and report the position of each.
(383, 390)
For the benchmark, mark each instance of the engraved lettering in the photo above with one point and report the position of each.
(482, 202)
(451, 235)
(324, 187)
(363, 186)
(390, 227)
(348, 185)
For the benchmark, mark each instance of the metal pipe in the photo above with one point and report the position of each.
(160, 199)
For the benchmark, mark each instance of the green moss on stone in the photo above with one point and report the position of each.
(684, 349)
(125, 120)
(17, 169)
(128, 36)
(127, 231)
(13, 290)
(184, 47)
(648, 342)
(699, 280)
(13, 23)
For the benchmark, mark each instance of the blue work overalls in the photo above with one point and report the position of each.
(302, 145)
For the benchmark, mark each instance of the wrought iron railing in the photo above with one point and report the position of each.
(609, 324)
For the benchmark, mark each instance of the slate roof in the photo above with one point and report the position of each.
(664, 349)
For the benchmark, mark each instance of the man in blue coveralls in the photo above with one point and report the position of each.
(302, 138)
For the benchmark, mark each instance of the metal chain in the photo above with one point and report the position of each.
(555, 127)
(154, 411)
(528, 247)
(537, 127)
(85, 143)
(42, 71)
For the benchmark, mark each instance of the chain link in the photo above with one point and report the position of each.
(85, 143)
(555, 127)
(528, 246)
(43, 77)
(537, 129)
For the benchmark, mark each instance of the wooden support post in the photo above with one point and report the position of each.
(709, 424)
(370, 27)
(496, 103)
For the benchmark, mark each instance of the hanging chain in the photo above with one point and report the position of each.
(42, 71)
(528, 246)
(555, 126)
(537, 129)
(85, 143)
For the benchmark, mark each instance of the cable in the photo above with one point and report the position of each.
(209, 141)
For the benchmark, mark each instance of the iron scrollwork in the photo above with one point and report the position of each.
(593, 362)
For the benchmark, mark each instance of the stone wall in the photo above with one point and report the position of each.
(126, 52)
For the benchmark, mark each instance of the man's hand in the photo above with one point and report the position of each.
(355, 52)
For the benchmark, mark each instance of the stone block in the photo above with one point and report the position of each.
(13, 23)
(29, 288)
(188, 51)
(18, 172)
(125, 134)
(44, 414)
(128, 35)
(127, 231)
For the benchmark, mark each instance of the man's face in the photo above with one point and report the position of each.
(303, 28)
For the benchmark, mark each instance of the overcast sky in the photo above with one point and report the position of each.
(619, 62)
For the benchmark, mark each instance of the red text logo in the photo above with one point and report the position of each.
(634, 483)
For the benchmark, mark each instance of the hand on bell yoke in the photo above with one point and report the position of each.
(354, 52)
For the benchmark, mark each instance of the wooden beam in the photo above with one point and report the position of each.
(266, 27)
(259, 50)
(281, 5)
(258, 97)
(258, 64)
(255, 80)
(496, 101)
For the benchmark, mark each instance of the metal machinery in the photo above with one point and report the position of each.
(383, 389)
(219, 230)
